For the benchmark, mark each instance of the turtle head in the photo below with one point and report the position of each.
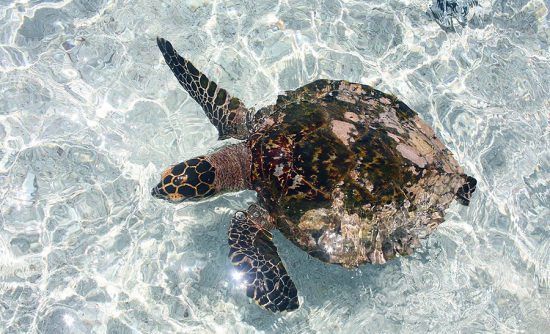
(188, 180)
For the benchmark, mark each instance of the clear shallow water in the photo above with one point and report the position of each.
(90, 115)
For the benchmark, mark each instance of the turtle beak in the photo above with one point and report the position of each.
(158, 192)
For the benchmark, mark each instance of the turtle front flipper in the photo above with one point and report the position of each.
(255, 257)
(226, 113)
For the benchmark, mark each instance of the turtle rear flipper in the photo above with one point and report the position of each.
(255, 257)
(226, 113)
(465, 192)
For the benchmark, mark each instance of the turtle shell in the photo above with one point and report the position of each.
(351, 174)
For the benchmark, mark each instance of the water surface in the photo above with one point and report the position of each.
(90, 115)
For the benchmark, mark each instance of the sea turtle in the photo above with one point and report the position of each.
(346, 172)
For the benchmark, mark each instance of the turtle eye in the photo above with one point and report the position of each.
(179, 180)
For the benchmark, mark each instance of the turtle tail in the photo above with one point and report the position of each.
(464, 193)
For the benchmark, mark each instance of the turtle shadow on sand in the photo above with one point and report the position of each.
(347, 173)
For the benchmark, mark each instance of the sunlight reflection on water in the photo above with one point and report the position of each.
(90, 115)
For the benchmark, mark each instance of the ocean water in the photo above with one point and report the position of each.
(90, 115)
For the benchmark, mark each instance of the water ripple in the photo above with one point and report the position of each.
(90, 115)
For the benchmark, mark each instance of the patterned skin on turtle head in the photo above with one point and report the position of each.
(191, 179)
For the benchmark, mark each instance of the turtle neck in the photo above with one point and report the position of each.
(232, 164)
